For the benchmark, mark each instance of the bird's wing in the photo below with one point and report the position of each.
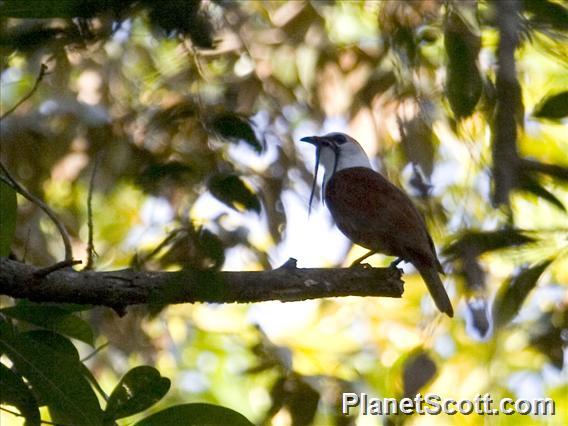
(376, 214)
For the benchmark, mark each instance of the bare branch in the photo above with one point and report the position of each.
(128, 287)
(39, 78)
(9, 180)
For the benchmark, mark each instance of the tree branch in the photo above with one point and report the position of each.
(11, 181)
(39, 78)
(129, 287)
(509, 100)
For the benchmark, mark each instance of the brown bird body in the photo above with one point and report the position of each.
(374, 213)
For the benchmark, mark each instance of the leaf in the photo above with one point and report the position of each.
(528, 183)
(16, 393)
(232, 191)
(418, 143)
(547, 335)
(479, 242)
(553, 107)
(547, 13)
(464, 84)
(297, 396)
(234, 128)
(198, 414)
(54, 318)
(51, 365)
(173, 172)
(378, 83)
(138, 390)
(182, 17)
(211, 248)
(513, 293)
(418, 370)
(8, 215)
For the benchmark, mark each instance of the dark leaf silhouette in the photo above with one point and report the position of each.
(198, 414)
(478, 242)
(234, 128)
(138, 390)
(553, 107)
(547, 13)
(51, 317)
(173, 172)
(16, 393)
(51, 365)
(548, 335)
(418, 370)
(532, 185)
(232, 191)
(297, 396)
(180, 17)
(464, 83)
(513, 293)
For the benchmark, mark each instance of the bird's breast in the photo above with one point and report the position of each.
(356, 198)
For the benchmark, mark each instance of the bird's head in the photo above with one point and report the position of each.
(336, 151)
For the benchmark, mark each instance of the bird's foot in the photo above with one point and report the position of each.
(358, 261)
(361, 265)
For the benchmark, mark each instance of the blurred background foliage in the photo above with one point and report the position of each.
(195, 109)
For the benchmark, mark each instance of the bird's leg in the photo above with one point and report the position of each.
(395, 263)
(362, 258)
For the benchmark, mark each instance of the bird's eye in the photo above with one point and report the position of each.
(340, 139)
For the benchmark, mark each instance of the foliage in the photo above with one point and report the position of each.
(196, 109)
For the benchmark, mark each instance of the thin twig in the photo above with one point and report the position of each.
(39, 78)
(8, 179)
(90, 246)
(40, 273)
(96, 351)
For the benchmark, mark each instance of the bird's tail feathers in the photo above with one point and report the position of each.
(436, 287)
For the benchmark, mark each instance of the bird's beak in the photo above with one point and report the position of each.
(314, 140)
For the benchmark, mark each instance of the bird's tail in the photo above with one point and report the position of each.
(436, 287)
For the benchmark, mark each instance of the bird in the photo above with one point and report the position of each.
(374, 213)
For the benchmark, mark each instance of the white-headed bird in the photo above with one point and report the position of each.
(374, 213)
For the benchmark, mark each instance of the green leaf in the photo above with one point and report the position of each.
(138, 390)
(51, 365)
(54, 318)
(553, 107)
(232, 191)
(513, 293)
(234, 128)
(16, 393)
(8, 214)
(196, 415)
(479, 242)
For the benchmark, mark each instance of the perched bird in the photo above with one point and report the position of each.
(374, 213)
